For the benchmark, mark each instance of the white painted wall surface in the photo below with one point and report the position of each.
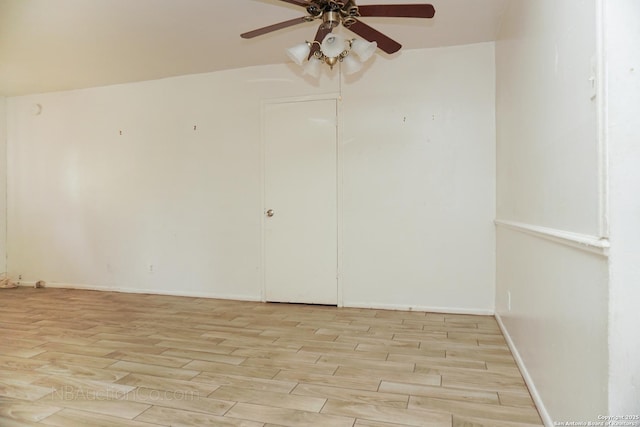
(3, 185)
(557, 321)
(91, 207)
(162, 207)
(548, 163)
(419, 181)
(547, 53)
(622, 38)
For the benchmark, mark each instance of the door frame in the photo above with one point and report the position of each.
(339, 184)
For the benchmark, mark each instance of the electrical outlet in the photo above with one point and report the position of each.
(19, 276)
(509, 300)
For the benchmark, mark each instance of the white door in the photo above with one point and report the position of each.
(300, 233)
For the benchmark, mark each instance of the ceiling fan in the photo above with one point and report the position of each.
(335, 12)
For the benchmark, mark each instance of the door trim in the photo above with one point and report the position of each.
(339, 184)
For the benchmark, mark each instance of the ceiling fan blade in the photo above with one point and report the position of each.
(274, 27)
(385, 43)
(320, 35)
(398, 10)
(297, 2)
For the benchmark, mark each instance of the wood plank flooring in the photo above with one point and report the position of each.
(85, 358)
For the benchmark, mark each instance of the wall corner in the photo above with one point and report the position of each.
(3, 184)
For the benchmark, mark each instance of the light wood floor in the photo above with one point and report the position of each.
(84, 358)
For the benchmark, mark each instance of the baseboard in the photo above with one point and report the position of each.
(428, 309)
(211, 295)
(544, 414)
(395, 307)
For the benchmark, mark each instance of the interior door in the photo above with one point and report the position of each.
(300, 231)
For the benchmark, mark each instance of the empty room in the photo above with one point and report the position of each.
(319, 212)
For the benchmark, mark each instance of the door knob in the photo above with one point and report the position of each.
(270, 213)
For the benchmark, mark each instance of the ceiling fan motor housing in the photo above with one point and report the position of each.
(344, 8)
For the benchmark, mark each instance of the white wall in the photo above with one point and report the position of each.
(162, 207)
(91, 207)
(3, 185)
(546, 52)
(622, 38)
(557, 321)
(551, 259)
(419, 149)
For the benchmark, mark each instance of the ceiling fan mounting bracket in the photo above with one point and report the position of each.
(331, 19)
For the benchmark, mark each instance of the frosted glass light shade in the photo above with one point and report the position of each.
(313, 67)
(299, 53)
(363, 49)
(332, 45)
(351, 65)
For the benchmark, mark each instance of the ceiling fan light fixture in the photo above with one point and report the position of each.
(333, 45)
(363, 49)
(299, 52)
(334, 49)
(351, 65)
(313, 67)
(331, 61)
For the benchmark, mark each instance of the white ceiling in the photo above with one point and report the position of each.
(51, 45)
